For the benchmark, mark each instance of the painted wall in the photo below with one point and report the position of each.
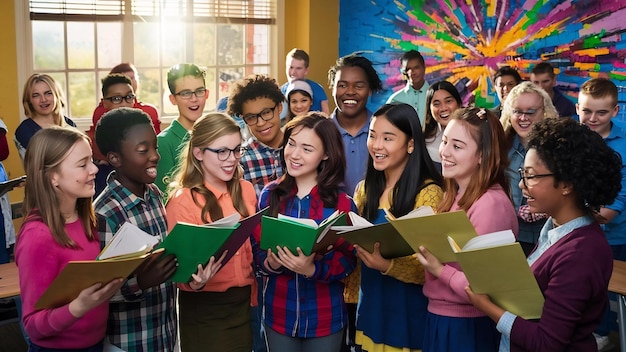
(10, 93)
(464, 41)
(312, 25)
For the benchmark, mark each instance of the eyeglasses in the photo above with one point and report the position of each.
(525, 177)
(224, 153)
(529, 113)
(266, 115)
(186, 94)
(117, 99)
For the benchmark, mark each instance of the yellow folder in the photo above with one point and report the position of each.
(503, 273)
(78, 275)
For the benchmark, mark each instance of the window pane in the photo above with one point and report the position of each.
(210, 82)
(148, 88)
(258, 44)
(262, 70)
(230, 44)
(48, 45)
(109, 44)
(101, 75)
(80, 45)
(204, 44)
(146, 44)
(173, 39)
(81, 93)
(227, 76)
(59, 77)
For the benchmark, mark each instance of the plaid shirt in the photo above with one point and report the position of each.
(303, 307)
(138, 320)
(261, 165)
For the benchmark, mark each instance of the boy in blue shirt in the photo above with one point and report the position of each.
(596, 108)
(142, 316)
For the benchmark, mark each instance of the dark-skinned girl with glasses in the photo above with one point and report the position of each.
(573, 261)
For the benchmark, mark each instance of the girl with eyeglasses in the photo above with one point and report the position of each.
(43, 103)
(473, 159)
(524, 106)
(573, 261)
(303, 295)
(215, 306)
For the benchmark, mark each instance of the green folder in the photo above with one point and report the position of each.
(195, 244)
(392, 244)
(290, 233)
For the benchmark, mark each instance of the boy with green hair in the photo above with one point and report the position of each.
(189, 94)
(142, 316)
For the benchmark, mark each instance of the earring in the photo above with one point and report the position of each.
(410, 150)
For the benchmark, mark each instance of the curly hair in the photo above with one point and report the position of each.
(252, 88)
(578, 156)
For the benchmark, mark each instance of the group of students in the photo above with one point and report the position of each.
(310, 167)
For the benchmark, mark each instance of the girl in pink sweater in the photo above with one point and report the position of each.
(59, 227)
(474, 159)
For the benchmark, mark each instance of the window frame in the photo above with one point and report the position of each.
(25, 56)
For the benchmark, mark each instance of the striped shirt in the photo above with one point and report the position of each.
(303, 307)
(138, 320)
(261, 165)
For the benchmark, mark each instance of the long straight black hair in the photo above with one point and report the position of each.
(417, 174)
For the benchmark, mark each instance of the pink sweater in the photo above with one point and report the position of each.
(40, 259)
(492, 212)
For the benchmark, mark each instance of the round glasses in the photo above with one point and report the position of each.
(224, 153)
(117, 99)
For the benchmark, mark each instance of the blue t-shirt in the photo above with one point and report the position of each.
(616, 229)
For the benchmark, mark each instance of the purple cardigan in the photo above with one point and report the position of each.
(574, 276)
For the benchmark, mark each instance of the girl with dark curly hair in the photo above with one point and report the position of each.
(569, 173)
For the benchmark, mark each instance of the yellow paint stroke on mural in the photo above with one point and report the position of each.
(585, 66)
(491, 7)
(592, 52)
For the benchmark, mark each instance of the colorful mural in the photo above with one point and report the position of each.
(465, 41)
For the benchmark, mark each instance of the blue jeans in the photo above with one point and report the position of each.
(34, 348)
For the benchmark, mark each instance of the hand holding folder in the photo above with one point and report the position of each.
(290, 232)
(196, 244)
(495, 265)
(79, 275)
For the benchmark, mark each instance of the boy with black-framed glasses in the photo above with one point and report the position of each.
(257, 101)
(189, 93)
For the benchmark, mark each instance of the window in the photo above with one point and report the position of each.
(79, 41)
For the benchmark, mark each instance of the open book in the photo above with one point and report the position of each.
(196, 244)
(432, 231)
(129, 241)
(7, 186)
(366, 234)
(495, 264)
(78, 275)
(290, 232)
(404, 235)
